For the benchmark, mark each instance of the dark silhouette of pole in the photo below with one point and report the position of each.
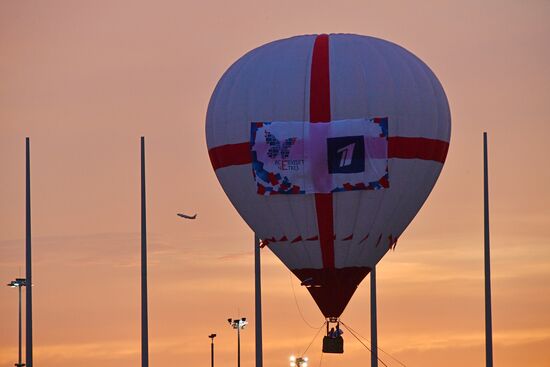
(212, 336)
(18, 283)
(487, 256)
(144, 320)
(373, 320)
(238, 324)
(28, 257)
(19, 364)
(238, 347)
(258, 304)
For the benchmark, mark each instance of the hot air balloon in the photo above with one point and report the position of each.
(328, 146)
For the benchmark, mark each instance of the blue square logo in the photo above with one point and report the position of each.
(346, 154)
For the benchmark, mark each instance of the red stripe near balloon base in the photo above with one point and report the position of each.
(333, 288)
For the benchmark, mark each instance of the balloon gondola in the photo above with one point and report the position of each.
(328, 146)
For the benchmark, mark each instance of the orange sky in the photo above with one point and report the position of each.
(84, 79)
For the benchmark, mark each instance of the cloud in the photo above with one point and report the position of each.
(113, 249)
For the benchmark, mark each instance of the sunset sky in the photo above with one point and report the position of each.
(85, 79)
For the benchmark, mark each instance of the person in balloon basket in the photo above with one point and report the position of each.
(335, 333)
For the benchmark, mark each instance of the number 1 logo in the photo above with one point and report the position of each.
(347, 155)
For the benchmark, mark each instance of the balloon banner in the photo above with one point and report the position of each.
(305, 158)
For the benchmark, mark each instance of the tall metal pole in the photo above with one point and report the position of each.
(144, 320)
(258, 304)
(19, 362)
(373, 320)
(212, 353)
(488, 313)
(239, 346)
(28, 264)
(18, 283)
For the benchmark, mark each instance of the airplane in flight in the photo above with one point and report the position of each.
(187, 216)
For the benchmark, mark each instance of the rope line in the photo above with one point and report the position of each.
(297, 305)
(380, 349)
(360, 341)
(315, 337)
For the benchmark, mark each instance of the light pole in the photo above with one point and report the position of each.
(212, 336)
(144, 308)
(258, 302)
(238, 324)
(28, 255)
(487, 260)
(18, 283)
(373, 320)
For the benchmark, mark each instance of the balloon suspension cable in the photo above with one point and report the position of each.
(315, 337)
(298, 306)
(360, 341)
(368, 341)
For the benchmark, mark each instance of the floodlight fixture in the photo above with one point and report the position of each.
(18, 282)
(298, 361)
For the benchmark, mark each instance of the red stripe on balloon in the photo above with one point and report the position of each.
(325, 223)
(319, 92)
(319, 112)
(419, 148)
(230, 155)
(398, 147)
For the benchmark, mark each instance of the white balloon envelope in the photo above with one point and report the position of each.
(327, 146)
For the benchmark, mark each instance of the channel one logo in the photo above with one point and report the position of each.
(346, 154)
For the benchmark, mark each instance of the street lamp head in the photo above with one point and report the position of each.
(212, 336)
(238, 323)
(19, 282)
(242, 323)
